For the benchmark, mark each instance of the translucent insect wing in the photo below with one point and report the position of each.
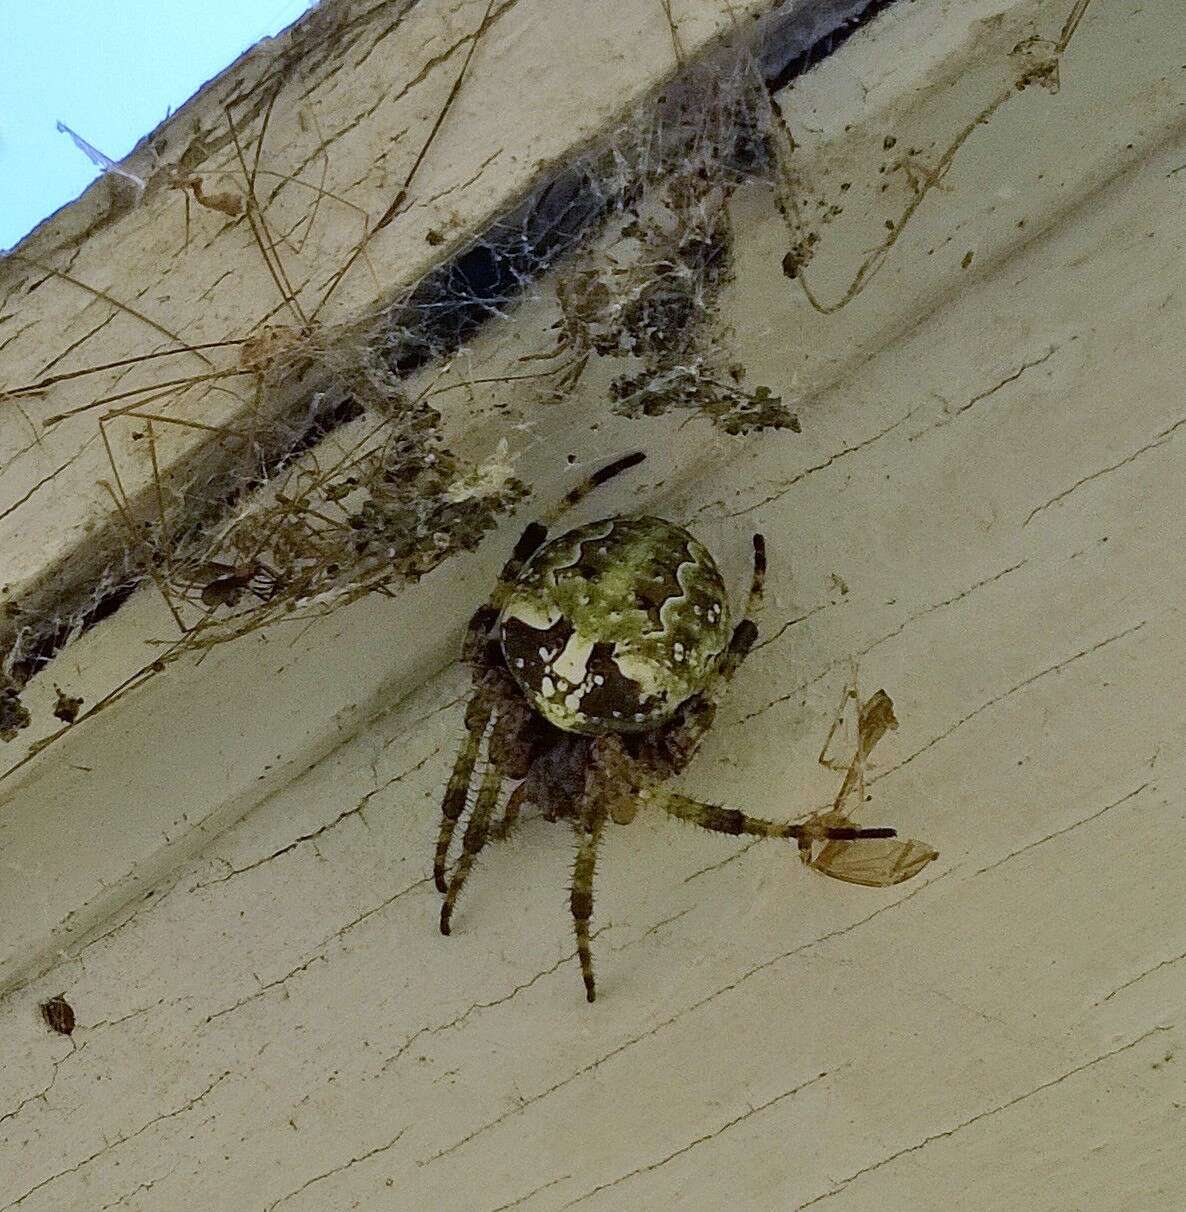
(874, 863)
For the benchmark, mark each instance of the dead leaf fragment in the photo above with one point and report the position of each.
(227, 201)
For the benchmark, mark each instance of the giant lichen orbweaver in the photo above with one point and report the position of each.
(598, 663)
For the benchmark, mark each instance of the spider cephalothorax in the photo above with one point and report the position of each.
(598, 663)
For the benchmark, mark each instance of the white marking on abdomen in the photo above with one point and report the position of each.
(573, 661)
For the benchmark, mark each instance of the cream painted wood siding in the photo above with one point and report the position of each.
(227, 876)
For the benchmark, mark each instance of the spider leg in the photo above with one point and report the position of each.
(477, 718)
(529, 542)
(746, 632)
(510, 813)
(482, 621)
(732, 821)
(758, 581)
(575, 495)
(477, 831)
(481, 705)
(581, 899)
(877, 864)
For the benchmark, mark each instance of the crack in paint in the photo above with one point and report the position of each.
(632, 1041)
(889, 635)
(984, 395)
(354, 1161)
(123, 1140)
(1160, 440)
(727, 1126)
(844, 452)
(998, 698)
(1166, 963)
(1013, 1102)
(1065, 829)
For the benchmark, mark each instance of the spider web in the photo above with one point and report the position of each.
(354, 474)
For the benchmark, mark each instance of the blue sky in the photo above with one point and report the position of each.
(110, 70)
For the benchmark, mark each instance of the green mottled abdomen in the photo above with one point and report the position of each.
(611, 626)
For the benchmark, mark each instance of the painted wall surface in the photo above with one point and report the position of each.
(983, 511)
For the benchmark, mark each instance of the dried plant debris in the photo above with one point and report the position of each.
(380, 515)
(285, 529)
(228, 201)
(305, 534)
(647, 291)
(727, 405)
(14, 715)
(290, 526)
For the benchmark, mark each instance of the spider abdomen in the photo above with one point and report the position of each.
(611, 626)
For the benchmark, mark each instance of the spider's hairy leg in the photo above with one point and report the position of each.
(482, 621)
(477, 831)
(510, 813)
(589, 827)
(536, 532)
(482, 703)
(746, 632)
(879, 864)
(477, 719)
(508, 755)
(732, 821)
(533, 536)
(758, 580)
(576, 495)
(611, 785)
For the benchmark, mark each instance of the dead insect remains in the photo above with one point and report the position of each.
(66, 706)
(598, 664)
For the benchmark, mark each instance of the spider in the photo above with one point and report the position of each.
(598, 663)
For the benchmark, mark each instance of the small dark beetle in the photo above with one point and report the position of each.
(58, 1015)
